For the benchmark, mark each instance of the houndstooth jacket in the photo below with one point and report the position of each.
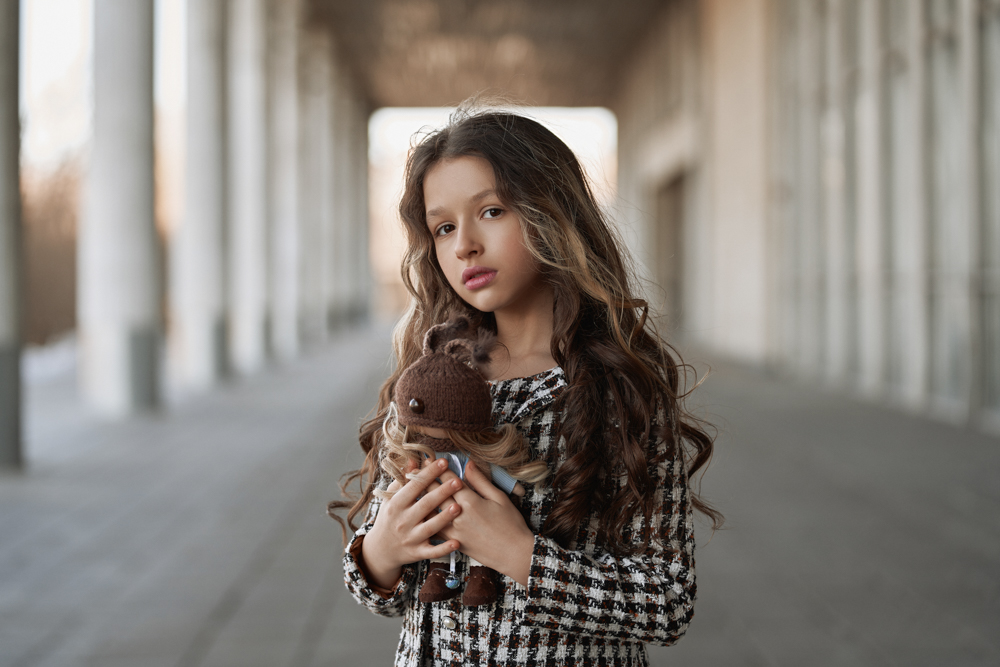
(582, 606)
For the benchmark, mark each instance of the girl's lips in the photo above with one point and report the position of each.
(477, 277)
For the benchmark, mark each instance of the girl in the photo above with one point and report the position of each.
(599, 559)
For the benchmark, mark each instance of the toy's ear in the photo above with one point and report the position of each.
(460, 348)
(476, 353)
(482, 348)
(439, 334)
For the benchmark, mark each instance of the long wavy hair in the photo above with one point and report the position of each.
(620, 373)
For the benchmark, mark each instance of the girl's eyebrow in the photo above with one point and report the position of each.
(439, 210)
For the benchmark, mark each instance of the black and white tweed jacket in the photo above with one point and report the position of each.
(582, 606)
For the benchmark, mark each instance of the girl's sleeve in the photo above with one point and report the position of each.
(380, 601)
(646, 598)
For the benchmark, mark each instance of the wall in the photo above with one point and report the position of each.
(694, 106)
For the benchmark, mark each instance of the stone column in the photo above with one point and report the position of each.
(872, 233)
(314, 184)
(197, 262)
(836, 198)
(363, 279)
(248, 187)
(339, 287)
(284, 133)
(119, 289)
(10, 240)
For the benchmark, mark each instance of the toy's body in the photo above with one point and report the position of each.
(443, 409)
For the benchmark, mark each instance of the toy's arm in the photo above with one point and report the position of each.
(502, 479)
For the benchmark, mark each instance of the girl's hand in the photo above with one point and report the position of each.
(406, 522)
(489, 527)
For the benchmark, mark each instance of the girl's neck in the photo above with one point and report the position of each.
(525, 337)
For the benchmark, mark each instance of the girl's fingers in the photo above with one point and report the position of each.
(482, 485)
(437, 522)
(414, 487)
(441, 550)
(447, 475)
(437, 498)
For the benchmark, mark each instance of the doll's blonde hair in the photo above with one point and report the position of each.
(504, 447)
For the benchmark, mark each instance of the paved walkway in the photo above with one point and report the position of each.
(858, 536)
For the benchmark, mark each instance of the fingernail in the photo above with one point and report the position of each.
(456, 484)
(455, 508)
(441, 463)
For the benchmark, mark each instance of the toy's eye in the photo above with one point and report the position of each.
(416, 406)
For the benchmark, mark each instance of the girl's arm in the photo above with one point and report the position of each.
(378, 564)
(647, 597)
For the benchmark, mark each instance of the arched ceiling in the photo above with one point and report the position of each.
(435, 53)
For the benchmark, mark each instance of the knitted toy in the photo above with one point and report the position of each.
(442, 408)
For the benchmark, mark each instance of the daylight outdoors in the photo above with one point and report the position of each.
(200, 248)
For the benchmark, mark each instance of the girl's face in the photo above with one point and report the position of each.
(478, 240)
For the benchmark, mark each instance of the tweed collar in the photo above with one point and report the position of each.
(515, 399)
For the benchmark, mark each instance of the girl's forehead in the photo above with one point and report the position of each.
(457, 182)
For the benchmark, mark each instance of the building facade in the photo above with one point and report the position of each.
(812, 186)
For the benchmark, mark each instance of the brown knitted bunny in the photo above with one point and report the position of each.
(445, 390)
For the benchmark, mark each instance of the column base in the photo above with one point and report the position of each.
(11, 452)
(120, 369)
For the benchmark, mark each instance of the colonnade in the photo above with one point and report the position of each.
(271, 250)
(819, 176)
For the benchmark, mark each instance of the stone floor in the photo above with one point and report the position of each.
(856, 535)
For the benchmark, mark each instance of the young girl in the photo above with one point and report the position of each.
(599, 558)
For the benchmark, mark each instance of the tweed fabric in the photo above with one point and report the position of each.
(582, 606)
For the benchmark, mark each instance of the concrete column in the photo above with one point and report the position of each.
(872, 205)
(811, 295)
(284, 132)
(119, 291)
(972, 138)
(340, 274)
(987, 173)
(351, 186)
(197, 261)
(10, 239)
(314, 184)
(950, 251)
(910, 344)
(248, 184)
(363, 270)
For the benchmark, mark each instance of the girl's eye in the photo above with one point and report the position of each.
(444, 229)
(493, 212)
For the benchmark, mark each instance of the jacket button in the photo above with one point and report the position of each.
(448, 622)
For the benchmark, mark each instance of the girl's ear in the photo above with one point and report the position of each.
(439, 334)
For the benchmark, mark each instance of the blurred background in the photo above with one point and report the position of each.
(199, 271)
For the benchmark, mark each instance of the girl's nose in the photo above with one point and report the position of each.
(468, 244)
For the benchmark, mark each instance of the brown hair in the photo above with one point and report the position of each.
(620, 373)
